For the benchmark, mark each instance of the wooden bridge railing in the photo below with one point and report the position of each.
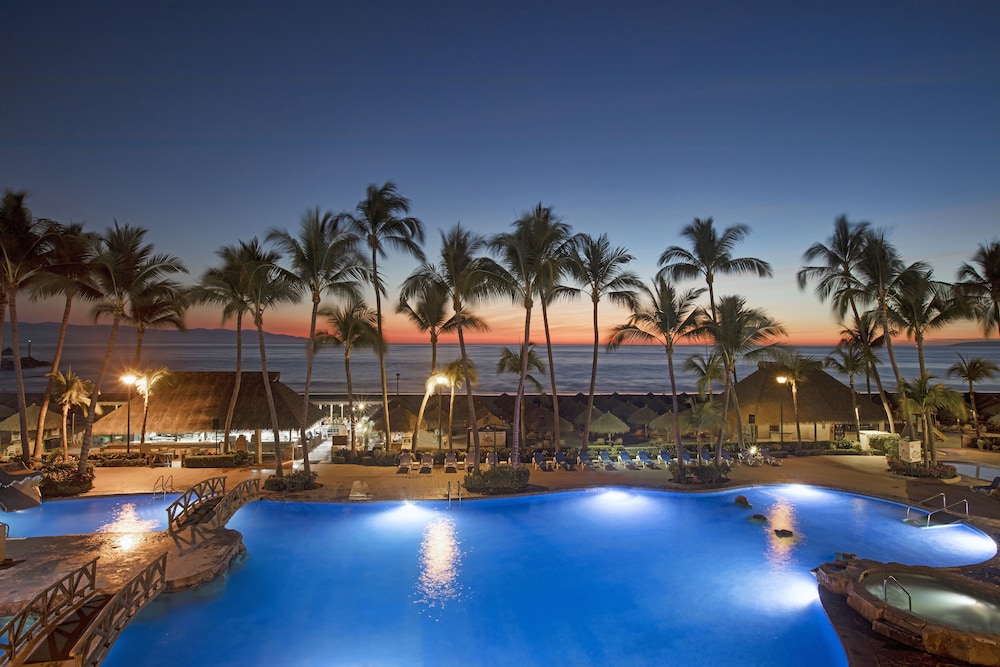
(179, 510)
(95, 643)
(36, 617)
(246, 491)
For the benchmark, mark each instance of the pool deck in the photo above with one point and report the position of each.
(40, 561)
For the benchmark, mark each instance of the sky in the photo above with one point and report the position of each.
(211, 122)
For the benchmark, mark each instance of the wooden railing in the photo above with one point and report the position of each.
(246, 491)
(36, 617)
(181, 508)
(95, 643)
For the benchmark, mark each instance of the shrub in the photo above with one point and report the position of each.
(706, 473)
(62, 479)
(118, 459)
(211, 460)
(292, 482)
(502, 479)
(887, 444)
(936, 470)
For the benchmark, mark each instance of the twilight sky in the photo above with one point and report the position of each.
(210, 122)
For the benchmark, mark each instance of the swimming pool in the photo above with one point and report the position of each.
(599, 577)
(100, 514)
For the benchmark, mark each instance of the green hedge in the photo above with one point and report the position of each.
(887, 444)
(705, 473)
(118, 459)
(937, 470)
(292, 482)
(62, 479)
(502, 479)
(233, 460)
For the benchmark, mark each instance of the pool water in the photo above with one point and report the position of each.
(102, 514)
(936, 600)
(598, 577)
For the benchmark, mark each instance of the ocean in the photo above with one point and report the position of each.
(629, 370)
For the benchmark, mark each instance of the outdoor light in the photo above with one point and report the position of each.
(129, 380)
(781, 409)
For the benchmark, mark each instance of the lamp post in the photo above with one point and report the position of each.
(397, 385)
(129, 381)
(781, 408)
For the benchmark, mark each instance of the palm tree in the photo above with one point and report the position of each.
(123, 267)
(922, 304)
(701, 418)
(510, 363)
(849, 359)
(529, 253)
(456, 373)
(379, 223)
(159, 305)
(25, 253)
(840, 258)
(352, 325)
(324, 259)
(224, 287)
(74, 250)
(796, 368)
(707, 368)
(266, 286)
(70, 391)
(600, 269)
(469, 278)
(982, 284)
(427, 308)
(974, 370)
(865, 336)
(146, 384)
(667, 318)
(711, 254)
(738, 332)
(920, 396)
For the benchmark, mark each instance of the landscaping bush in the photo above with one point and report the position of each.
(937, 470)
(887, 444)
(708, 474)
(292, 482)
(502, 479)
(117, 459)
(213, 460)
(61, 479)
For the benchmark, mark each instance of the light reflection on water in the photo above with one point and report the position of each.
(440, 563)
(780, 550)
(127, 522)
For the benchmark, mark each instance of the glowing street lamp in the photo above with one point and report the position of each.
(781, 407)
(130, 381)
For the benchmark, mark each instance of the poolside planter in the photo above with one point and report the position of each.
(910, 451)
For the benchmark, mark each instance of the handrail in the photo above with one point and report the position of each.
(162, 483)
(94, 645)
(948, 507)
(944, 502)
(246, 491)
(885, 594)
(189, 501)
(35, 617)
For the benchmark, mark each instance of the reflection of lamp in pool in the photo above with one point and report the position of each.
(440, 559)
(781, 408)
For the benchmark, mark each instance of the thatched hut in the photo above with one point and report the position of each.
(826, 411)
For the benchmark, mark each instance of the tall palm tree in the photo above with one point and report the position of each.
(531, 254)
(982, 284)
(703, 417)
(26, 252)
(796, 368)
(224, 287)
(352, 325)
(324, 259)
(921, 396)
(510, 363)
(707, 368)
(159, 305)
(470, 278)
(865, 336)
(600, 270)
(848, 359)
(972, 371)
(427, 308)
(922, 304)
(738, 332)
(380, 220)
(456, 373)
(146, 385)
(840, 257)
(267, 285)
(73, 251)
(666, 317)
(123, 267)
(711, 255)
(70, 391)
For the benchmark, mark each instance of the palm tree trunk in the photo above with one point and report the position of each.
(140, 331)
(919, 340)
(929, 439)
(88, 429)
(310, 354)
(19, 379)
(884, 398)
(676, 407)
(420, 414)
(451, 419)
(727, 392)
(236, 382)
(593, 383)
(350, 395)
(43, 411)
(739, 415)
(381, 351)
(795, 406)
(519, 397)
(975, 416)
(854, 406)
(145, 414)
(278, 472)
(468, 393)
(552, 377)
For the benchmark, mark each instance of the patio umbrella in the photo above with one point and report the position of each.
(610, 424)
(664, 422)
(582, 417)
(643, 415)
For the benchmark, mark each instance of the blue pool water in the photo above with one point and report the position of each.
(105, 514)
(599, 577)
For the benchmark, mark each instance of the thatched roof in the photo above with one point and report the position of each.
(198, 402)
(822, 398)
(53, 420)
(608, 423)
(642, 415)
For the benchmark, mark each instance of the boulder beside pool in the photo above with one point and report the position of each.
(741, 501)
(783, 532)
(758, 518)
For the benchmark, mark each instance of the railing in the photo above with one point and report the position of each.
(94, 645)
(246, 491)
(885, 592)
(4, 533)
(163, 485)
(184, 506)
(927, 500)
(944, 507)
(44, 608)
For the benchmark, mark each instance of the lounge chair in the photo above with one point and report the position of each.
(426, 462)
(583, 458)
(405, 463)
(538, 460)
(750, 457)
(643, 458)
(704, 456)
(491, 460)
(626, 460)
(727, 457)
(450, 462)
(665, 457)
(560, 461)
(685, 456)
(986, 488)
(604, 460)
(766, 457)
(469, 462)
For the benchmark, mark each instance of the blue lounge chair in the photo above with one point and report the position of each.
(704, 456)
(450, 462)
(665, 457)
(583, 458)
(405, 463)
(727, 457)
(426, 462)
(560, 461)
(766, 457)
(605, 460)
(626, 459)
(750, 457)
(643, 458)
(538, 460)
(685, 456)
(987, 488)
